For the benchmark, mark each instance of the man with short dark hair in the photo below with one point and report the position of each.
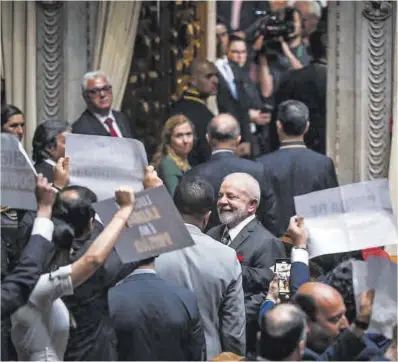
(294, 169)
(210, 269)
(49, 146)
(283, 333)
(203, 83)
(154, 319)
(223, 135)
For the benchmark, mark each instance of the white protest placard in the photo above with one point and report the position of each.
(380, 275)
(349, 217)
(18, 176)
(105, 163)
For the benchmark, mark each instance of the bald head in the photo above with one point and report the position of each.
(325, 306)
(203, 77)
(322, 294)
(223, 131)
(199, 65)
(282, 329)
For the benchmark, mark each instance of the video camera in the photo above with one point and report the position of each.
(272, 26)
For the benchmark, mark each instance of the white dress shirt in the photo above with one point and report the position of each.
(233, 232)
(102, 119)
(223, 66)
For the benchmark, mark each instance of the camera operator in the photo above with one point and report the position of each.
(283, 45)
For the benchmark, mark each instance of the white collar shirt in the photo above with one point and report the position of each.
(102, 119)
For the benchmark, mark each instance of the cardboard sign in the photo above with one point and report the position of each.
(18, 176)
(155, 226)
(105, 163)
(347, 218)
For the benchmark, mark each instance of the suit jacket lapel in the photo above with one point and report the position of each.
(243, 235)
(97, 127)
(121, 124)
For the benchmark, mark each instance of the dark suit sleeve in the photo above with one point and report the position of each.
(258, 276)
(16, 287)
(269, 210)
(346, 348)
(196, 336)
(299, 274)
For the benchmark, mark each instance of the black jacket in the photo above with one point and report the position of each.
(93, 338)
(225, 162)
(16, 286)
(156, 321)
(88, 124)
(295, 170)
(236, 107)
(307, 85)
(195, 109)
(46, 169)
(258, 249)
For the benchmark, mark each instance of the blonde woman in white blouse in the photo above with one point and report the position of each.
(40, 329)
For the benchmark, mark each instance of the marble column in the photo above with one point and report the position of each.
(359, 105)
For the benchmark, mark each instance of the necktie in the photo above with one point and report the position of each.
(112, 131)
(230, 80)
(226, 238)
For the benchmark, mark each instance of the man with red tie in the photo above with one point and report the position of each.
(99, 118)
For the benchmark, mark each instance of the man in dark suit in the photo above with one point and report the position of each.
(99, 118)
(236, 94)
(223, 135)
(256, 248)
(49, 146)
(308, 85)
(295, 170)
(155, 320)
(16, 287)
(203, 83)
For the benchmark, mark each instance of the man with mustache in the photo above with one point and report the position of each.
(256, 248)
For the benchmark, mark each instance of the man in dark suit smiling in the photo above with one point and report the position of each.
(99, 118)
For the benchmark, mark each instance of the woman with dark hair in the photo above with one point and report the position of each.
(171, 158)
(12, 121)
(49, 146)
(40, 329)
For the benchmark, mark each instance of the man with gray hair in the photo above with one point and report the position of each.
(283, 333)
(99, 118)
(223, 136)
(256, 248)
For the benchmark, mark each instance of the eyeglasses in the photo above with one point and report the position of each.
(97, 91)
(238, 51)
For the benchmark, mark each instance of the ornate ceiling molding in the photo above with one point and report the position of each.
(377, 10)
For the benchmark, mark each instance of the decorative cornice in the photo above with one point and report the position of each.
(377, 10)
(377, 90)
(50, 4)
(52, 57)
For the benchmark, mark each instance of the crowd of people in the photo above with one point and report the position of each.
(66, 295)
